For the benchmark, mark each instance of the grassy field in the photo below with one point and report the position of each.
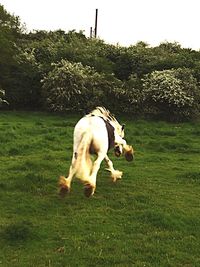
(149, 218)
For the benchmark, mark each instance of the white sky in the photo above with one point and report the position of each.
(125, 22)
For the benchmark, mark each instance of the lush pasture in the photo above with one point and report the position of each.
(150, 218)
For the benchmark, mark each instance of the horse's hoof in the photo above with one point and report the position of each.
(89, 190)
(129, 153)
(116, 175)
(64, 191)
(129, 156)
(64, 188)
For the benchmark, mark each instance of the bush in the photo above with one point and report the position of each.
(2, 100)
(64, 86)
(72, 86)
(128, 97)
(23, 88)
(172, 93)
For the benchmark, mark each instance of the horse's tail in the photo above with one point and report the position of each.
(82, 160)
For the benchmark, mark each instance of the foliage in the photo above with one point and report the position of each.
(150, 217)
(9, 34)
(23, 89)
(2, 100)
(10, 30)
(71, 86)
(128, 97)
(64, 86)
(172, 92)
(101, 73)
(54, 46)
(18, 73)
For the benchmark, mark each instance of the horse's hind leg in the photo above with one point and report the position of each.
(115, 174)
(65, 183)
(90, 186)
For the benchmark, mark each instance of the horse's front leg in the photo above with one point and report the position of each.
(90, 186)
(115, 174)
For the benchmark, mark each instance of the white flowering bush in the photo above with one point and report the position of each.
(2, 100)
(173, 93)
(72, 86)
(64, 86)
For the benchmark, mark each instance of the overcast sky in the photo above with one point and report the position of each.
(124, 21)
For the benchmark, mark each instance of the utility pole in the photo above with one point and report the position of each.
(94, 33)
(91, 32)
(96, 19)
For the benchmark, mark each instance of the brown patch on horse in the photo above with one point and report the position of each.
(93, 149)
(117, 151)
(88, 190)
(64, 189)
(110, 130)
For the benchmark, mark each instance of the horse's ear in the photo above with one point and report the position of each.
(123, 126)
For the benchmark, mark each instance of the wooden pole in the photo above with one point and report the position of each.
(91, 33)
(96, 19)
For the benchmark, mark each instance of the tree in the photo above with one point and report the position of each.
(10, 33)
(10, 30)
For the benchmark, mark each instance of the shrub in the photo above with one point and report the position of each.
(72, 86)
(172, 93)
(128, 97)
(64, 86)
(2, 100)
(23, 87)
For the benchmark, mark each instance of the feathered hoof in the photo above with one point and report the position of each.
(89, 190)
(116, 175)
(64, 189)
(129, 153)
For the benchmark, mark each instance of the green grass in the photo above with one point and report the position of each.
(149, 218)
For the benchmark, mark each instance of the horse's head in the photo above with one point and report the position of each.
(123, 148)
(120, 146)
(127, 150)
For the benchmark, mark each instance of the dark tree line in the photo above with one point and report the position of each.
(62, 71)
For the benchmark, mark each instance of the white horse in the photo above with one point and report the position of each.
(95, 133)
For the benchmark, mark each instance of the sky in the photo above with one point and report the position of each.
(123, 22)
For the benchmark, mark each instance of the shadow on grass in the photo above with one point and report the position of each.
(190, 177)
(18, 232)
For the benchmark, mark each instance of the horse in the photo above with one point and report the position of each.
(95, 134)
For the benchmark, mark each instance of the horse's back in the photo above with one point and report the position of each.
(94, 127)
(90, 124)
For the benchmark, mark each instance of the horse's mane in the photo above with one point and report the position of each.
(107, 116)
(105, 113)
